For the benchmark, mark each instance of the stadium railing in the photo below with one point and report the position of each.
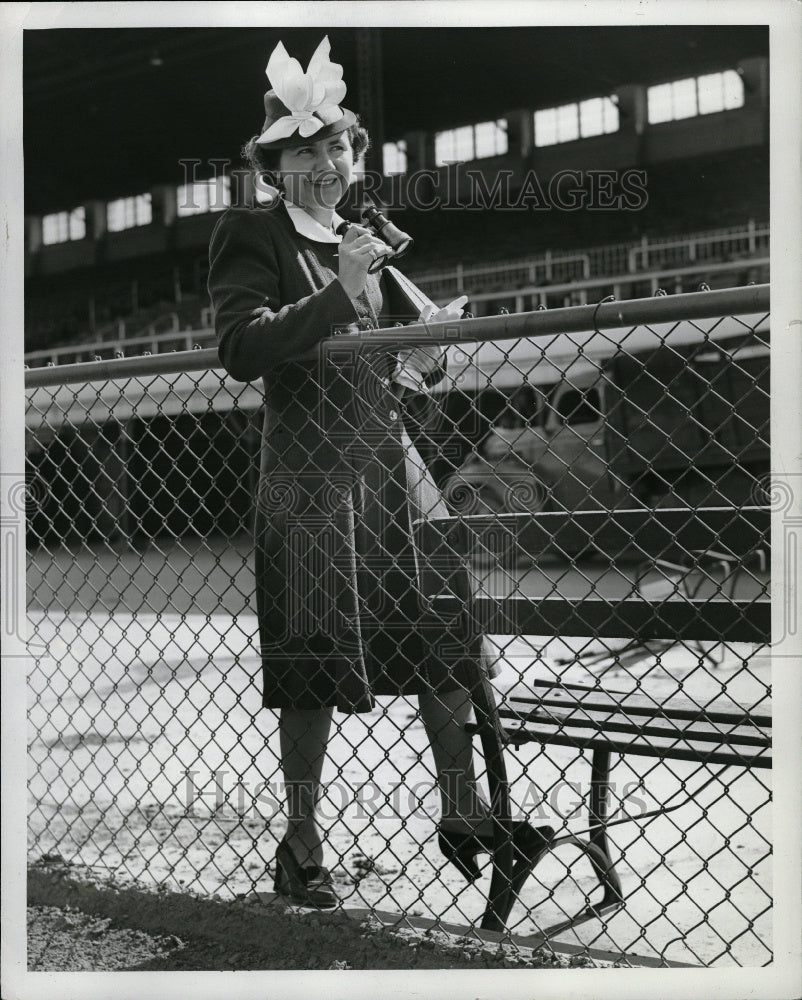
(628, 270)
(644, 255)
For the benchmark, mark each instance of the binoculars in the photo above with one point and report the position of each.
(381, 226)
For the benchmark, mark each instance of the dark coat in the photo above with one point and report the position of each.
(341, 613)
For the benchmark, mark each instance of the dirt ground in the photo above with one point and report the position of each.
(77, 922)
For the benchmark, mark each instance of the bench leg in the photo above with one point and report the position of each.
(613, 898)
(507, 879)
(488, 725)
(599, 804)
(596, 849)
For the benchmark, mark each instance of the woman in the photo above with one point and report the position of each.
(341, 615)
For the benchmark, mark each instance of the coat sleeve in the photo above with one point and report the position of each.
(256, 330)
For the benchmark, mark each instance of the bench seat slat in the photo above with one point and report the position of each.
(616, 721)
(719, 620)
(677, 703)
(635, 703)
(655, 711)
(656, 746)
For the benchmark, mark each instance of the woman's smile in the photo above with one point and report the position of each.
(332, 180)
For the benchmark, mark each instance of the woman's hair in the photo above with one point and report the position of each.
(265, 161)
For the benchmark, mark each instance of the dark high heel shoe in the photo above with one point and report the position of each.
(311, 885)
(461, 848)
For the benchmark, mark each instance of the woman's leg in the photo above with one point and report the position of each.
(304, 737)
(444, 717)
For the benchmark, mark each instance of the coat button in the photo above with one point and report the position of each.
(393, 414)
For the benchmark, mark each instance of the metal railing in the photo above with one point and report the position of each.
(150, 753)
(523, 283)
(518, 298)
(742, 242)
(157, 343)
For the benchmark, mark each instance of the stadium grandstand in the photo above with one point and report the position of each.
(551, 169)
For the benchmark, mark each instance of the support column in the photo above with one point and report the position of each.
(96, 228)
(164, 199)
(754, 73)
(633, 120)
(420, 157)
(33, 234)
(371, 92)
(520, 132)
(420, 151)
(632, 109)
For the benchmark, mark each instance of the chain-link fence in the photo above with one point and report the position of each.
(150, 753)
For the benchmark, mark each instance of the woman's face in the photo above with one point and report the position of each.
(317, 174)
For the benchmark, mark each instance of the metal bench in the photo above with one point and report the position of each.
(685, 545)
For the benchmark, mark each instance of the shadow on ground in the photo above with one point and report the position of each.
(82, 923)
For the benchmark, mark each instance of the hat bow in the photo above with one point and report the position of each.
(312, 98)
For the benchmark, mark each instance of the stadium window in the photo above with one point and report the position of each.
(62, 227)
(126, 213)
(683, 97)
(394, 157)
(490, 138)
(598, 116)
(672, 101)
(212, 195)
(471, 142)
(702, 95)
(568, 122)
(546, 127)
(720, 92)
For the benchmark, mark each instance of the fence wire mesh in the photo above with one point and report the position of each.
(579, 471)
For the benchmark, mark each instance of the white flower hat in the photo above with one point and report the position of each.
(302, 105)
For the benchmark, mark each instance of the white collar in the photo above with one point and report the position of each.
(311, 228)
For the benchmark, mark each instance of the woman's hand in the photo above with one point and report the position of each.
(431, 314)
(415, 363)
(358, 249)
